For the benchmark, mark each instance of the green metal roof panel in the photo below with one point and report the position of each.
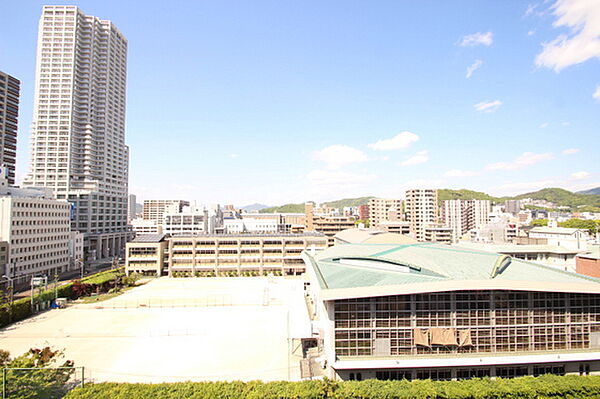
(426, 262)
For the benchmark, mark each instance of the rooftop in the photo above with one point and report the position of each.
(149, 238)
(554, 230)
(388, 269)
(372, 236)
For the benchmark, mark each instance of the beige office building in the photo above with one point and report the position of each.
(421, 209)
(222, 254)
(384, 210)
(326, 224)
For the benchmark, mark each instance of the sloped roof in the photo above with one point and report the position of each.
(554, 230)
(353, 266)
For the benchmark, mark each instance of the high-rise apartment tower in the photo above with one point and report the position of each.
(421, 210)
(9, 114)
(78, 129)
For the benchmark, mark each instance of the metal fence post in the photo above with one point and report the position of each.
(3, 383)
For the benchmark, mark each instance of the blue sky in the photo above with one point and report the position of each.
(280, 101)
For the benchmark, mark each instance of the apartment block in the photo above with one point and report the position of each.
(9, 115)
(325, 223)
(4, 248)
(156, 209)
(218, 254)
(383, 210)
(421, 208)
(142, 226)
(131, 207)
(464, 215)
(78, 145)
(433, 232)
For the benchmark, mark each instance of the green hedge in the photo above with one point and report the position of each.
(544, 387)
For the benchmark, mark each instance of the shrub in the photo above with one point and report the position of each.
(544, 387)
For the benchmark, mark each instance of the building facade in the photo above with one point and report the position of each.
(78, 130)
(224, 254)
(9, 115)
(156, 209)
(37, 228)
(421, 209)
(464, 215)
(430, 312)
(131, 207)
(382, 210)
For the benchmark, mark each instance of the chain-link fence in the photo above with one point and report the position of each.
(40, 383)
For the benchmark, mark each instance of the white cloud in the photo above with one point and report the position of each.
(337, 156)
(328, 178)
(473, 67)
(580, 175)
(596, 94)
(582, 18)
(460, 173)
(544, 125)
(530, 33)
(234, 155)
(401, 141)
(476, 39)
(570, 151)
(526, 159)
(419, 157)
(531, 185)
(566, 123)
(489, 106)
(423, 183)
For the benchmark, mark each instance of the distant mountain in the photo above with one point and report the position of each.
(347, 202)
(287, 208)
(591, 191)
(254, 207)
(562, 197)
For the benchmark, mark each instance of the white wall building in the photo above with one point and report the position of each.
(464, 215)
(249, 225)
(78, 128)
(562, 237)
(142, 226)
(37, 228)
(421, 209)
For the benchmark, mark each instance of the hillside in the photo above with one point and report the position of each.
(287, 208)
(563, 197)
(348, 202)
(254, 207)
(447, 194)
(591, 191)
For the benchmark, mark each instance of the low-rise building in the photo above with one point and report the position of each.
(144, 226)
(431, 311)
(549, 255)
(398, 227)
(221, 254)
(438, 233)
(561, 236)
(501, 231)
(146, 255)
(589, 263)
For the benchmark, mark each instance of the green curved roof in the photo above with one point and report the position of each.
(424, 262)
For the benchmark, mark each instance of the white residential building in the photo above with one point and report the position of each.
(464, 215)
(142, 226)
(78, 130)
(156, 209)
(9, 114)
(421, 209)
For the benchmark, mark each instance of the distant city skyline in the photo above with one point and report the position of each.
(275, 102)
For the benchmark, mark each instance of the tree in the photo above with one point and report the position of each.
(40, 379)
(539, 222)
(590, 225)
